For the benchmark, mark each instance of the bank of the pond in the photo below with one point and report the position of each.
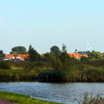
(70, 72)
(22, 99)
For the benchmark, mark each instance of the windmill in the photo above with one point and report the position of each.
(88, 47)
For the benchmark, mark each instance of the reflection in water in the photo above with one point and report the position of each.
(58, 92)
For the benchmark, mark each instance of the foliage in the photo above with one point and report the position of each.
(94, 56)
(51, 76)
(33, 54)
(1, 55)
(63, 61)
(54, 68)
(84, 52)
(14, 52)
(18, 75)
(4, 65)
(90, 99)
(23, 71)
(18, 50)
(55, 50)
(22, 99)
(74, 73)
(1, 51)
(49, 57)
(83, 59)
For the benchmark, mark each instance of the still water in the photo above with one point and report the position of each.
(58, 92)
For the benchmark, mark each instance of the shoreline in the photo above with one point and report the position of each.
(23, 99)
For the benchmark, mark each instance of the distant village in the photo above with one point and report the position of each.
(19, 53)
(24, 57)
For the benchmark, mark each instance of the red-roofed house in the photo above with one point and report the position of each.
(77, 55)
(21, 57)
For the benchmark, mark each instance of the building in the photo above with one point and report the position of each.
(19, 57)
(77, 55)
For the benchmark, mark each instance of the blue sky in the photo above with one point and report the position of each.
(44, 23)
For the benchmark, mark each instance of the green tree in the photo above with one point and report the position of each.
(55, 50)
(33, 54)
(64, 57)
(18, 50)
(1, 52)
(14, 52)
(1, 55)
(84, 58)
(63, 60)
(94, 55)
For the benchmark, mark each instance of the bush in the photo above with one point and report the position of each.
(4, 65)
(90, 99)
(52, 76)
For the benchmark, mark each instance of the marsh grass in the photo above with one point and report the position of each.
(43, 71)
(90, 99)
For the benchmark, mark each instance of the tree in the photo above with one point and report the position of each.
(33, 54)
(18, 50)
(84, 58)
(55, 50)
(64, 55)
(94, 55)
(1, 52)
(63, 60)
(1, 55)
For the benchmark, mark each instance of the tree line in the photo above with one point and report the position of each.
(54, 66)
(54, 52)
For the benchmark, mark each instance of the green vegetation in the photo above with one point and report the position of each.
(33, 54)
(4, 65)
(18, 50)
(21, 71)
(90, 99)
(66, 69)
(75, 73)
(55, 66)
(55, 50)
(22, 99)
(56, 71)
(1, 55)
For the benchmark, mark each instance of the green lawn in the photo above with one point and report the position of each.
(22, 99)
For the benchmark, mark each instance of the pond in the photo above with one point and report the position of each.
(57, 92)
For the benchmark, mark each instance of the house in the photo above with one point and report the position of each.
(20, 57)
(17, 57)
(77, 55)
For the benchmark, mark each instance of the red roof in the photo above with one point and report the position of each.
(15, 56)
(76, 55)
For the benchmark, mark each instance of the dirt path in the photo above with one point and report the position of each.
(2, 101)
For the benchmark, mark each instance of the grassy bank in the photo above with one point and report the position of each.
(75, 73)
(22, 99)
(71, 71)
(21, 71)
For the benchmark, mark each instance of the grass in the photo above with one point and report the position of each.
(22, 99)
(90, 99)
(59, 72)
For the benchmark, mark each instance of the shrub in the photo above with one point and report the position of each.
(52, 76)
(4, 65)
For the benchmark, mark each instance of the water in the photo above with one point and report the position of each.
(58, 92)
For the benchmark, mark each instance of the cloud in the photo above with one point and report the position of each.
(1, 20)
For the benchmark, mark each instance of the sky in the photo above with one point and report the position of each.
(45, 23)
